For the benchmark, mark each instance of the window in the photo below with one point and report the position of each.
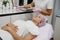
(29, 1)
(21, 2)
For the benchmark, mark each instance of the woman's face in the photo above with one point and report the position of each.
(37, 19)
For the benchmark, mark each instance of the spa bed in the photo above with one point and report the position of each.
(4, 35)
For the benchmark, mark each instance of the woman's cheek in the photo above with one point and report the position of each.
(39, 20)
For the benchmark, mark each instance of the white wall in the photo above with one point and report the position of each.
(18, 17)
(57, 24)
(4, 20)
(57, 29)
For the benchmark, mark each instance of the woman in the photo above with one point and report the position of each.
(42, 6)
(31, 29)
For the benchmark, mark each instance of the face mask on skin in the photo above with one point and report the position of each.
(43, 22)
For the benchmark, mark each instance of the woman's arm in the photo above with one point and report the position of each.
(46, 12)
(29, 5)
(17, 37)
(49, 7)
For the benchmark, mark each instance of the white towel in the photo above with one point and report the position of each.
(5, 35)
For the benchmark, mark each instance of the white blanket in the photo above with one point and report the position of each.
(7, 36)
(25, 27)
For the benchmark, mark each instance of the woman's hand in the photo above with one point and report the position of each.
(9, 29)
(6, 28)
(24, 6)
(12, 26)
(27, 6)
(36, 9)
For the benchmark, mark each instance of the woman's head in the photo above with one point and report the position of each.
(37, 18)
